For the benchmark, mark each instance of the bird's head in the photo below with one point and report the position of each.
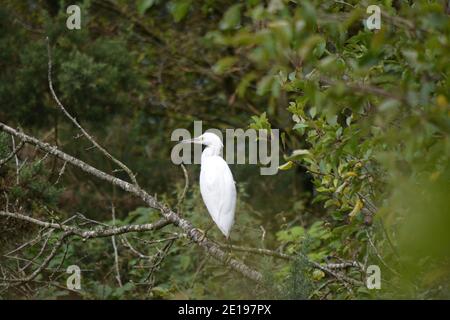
(208, 139)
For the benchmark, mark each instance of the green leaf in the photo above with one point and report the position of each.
(231, 18)
(313, 112)
(144, 5)
(264, 85)
(309, 45)
(298, 154)
(341, 187)
(319, 49)
(388, 105)
(318, 274)
(356, 209)
(260, 122)
(323, 189)
(224, 64)
(292, 234)
(245, 83)
(179, 8)
(288, 165)
(299, 125)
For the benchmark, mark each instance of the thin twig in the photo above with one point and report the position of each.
(12, 154)
(16, 159)
(116, 255)
(375, 250)
(61, 172)
(186, 186)
(127, 244)
(44, 263)
(75, 122)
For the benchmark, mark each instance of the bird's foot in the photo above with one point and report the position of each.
(203, 234)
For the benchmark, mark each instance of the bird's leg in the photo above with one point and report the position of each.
(229, 244)
(228, 250)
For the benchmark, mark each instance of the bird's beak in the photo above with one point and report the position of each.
(197, 140)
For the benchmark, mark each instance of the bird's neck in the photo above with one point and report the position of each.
(211, 151)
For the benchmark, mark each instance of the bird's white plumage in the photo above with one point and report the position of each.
(217, 185)
(218, 192)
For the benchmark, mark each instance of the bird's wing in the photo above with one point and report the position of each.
(218, 192)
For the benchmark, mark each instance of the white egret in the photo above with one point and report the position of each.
(217, 185)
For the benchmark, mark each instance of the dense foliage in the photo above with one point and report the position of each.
(364, 122)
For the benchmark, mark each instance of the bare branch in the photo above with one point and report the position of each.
(328, 268)
(260, 251)
(169, 215)
(88, 234)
